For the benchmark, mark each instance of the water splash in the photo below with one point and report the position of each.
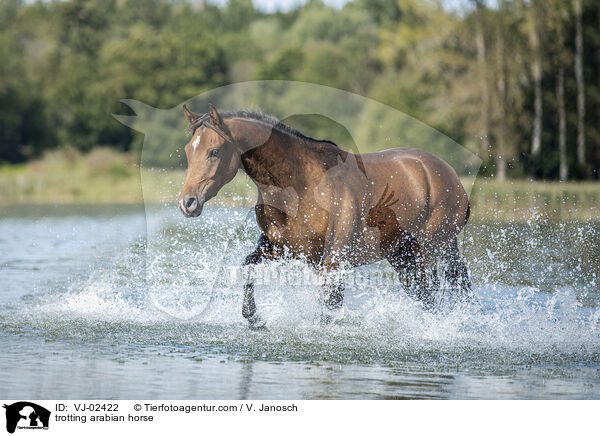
(184, 286)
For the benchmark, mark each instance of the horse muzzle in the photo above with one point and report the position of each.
(191, 206)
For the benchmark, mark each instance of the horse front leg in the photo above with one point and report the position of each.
(333, 291)
(263, 251)
(342, 231)
(249, 307)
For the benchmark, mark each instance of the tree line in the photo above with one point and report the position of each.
(517, 82)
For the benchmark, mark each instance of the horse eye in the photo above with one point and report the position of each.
(213, 153)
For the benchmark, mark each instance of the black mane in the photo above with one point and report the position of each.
(272, 121)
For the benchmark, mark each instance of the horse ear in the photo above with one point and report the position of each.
(189, 115)
(215, 118)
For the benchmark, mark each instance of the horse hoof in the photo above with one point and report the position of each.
(258, 328)
(326, 319)
(256, 323)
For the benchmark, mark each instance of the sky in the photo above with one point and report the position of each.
(284, 5)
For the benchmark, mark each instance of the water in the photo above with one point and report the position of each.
(104, 303)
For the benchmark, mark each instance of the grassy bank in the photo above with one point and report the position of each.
(67, 177)
(523, 200)
(107, 177)
(101, 177)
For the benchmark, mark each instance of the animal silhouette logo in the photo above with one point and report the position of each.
(26, 415)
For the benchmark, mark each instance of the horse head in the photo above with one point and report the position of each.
(213, 160)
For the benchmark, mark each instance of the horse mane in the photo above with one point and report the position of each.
(267, 119)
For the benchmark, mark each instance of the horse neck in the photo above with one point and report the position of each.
(272, 157)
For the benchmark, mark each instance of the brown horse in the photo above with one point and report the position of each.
(329, 206)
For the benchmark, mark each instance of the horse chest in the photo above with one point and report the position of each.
(301, 234)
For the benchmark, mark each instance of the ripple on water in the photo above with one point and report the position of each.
(181, 291)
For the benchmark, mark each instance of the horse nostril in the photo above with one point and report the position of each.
(191, 203)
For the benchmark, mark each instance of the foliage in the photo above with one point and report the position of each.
(66, 65)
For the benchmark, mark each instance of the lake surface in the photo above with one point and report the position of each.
(116, 303)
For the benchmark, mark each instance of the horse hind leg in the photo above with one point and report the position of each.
(419, 282)
(457, 274)
(426, 286)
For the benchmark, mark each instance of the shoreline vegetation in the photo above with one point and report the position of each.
(517, 81)
(106, 177)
